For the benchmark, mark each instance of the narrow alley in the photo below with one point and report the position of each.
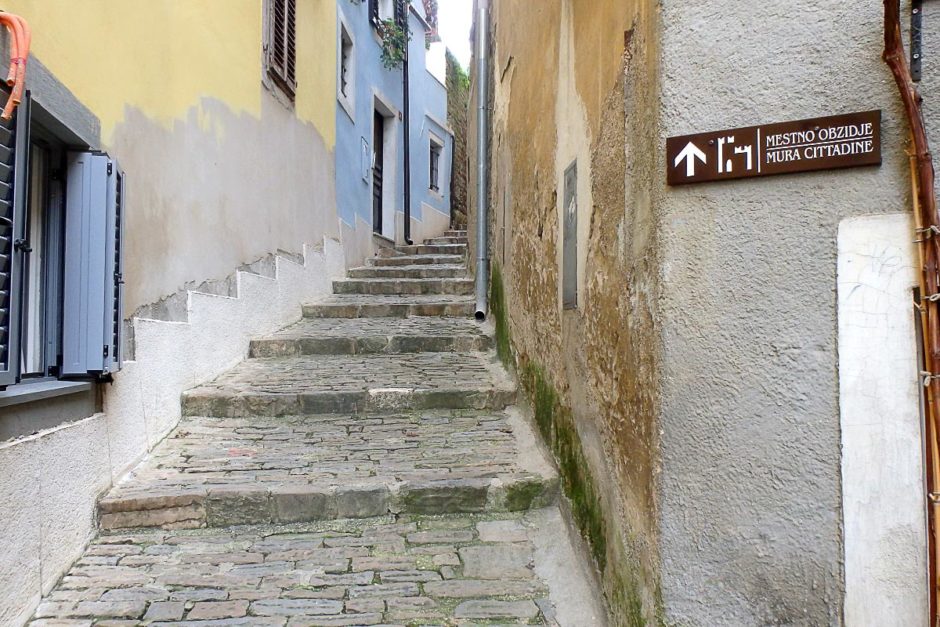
(365, 466)
(469, 313)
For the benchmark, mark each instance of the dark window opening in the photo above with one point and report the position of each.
(435, 159)
(381, 10)
(345, 68)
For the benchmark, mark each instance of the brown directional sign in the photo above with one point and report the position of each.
(839, 141)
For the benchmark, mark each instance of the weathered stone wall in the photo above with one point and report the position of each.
(458, 101)
(577, 82)
(692, 397)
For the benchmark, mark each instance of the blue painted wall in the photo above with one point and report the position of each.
(354, 121)
(428, 114)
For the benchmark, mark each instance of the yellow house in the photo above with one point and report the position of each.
(221, 117)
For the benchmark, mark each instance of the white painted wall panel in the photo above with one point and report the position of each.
(882, 459)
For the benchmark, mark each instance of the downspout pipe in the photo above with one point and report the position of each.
(406, 105)
(483, 149)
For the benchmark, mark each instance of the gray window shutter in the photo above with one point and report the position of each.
(14, 160)
(93, 294)
(114, 270)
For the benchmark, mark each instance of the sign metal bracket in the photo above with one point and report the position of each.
(917, 39)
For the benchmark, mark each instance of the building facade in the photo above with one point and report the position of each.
(220, 116)
(370, 126)
(726, 372)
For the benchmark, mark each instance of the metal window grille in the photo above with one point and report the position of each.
(401, 13)
(374, 10)
(281, 44)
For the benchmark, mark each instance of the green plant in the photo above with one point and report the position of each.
(395, 40)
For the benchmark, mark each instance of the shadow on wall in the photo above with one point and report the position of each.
(217, 190)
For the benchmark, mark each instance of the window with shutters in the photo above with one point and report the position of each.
(280, 46)
(61, 277)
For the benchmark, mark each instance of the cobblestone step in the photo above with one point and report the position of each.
(404, 287)
(228, 471)
(224, 506)
(447, 239)
(425, 271)
(413, 260)
(371, 306)
(455, 233)
(435, 249)
(319, 384)
(391, 570)
(356, 336)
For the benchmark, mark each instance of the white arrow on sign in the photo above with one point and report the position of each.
(689, 154)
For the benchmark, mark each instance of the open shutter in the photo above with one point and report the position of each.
(92, 263)
(282, 42)
(290, 37)
(14, 157)
(401, 13)
(114, 270)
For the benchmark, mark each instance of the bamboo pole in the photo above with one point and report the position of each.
(928, 228)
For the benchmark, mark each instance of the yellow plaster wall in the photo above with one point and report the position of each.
(163, 56)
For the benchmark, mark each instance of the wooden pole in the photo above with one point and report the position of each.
(928, 229)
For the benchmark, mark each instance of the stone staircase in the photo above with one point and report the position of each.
(384, 404)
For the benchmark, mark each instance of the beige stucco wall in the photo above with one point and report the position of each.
(562, 89)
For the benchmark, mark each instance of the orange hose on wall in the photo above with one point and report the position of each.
(21, 38)
(14, 53)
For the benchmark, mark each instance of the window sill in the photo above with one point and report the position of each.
(347, 106)
(29, 392)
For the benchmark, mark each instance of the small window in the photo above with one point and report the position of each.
(345, 64)
(435, 160)
(281, 44)
(381, 10)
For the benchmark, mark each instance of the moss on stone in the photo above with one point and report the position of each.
(556, 426)
(500, 316)
(521, 495)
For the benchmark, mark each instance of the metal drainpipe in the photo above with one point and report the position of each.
(406, 105)
(483, 137)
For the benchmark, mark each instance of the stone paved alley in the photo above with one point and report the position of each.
(362, 467)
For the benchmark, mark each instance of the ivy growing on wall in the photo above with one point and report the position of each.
(430, 12)
(395, 40)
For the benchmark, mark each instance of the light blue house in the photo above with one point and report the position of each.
(370, 130)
